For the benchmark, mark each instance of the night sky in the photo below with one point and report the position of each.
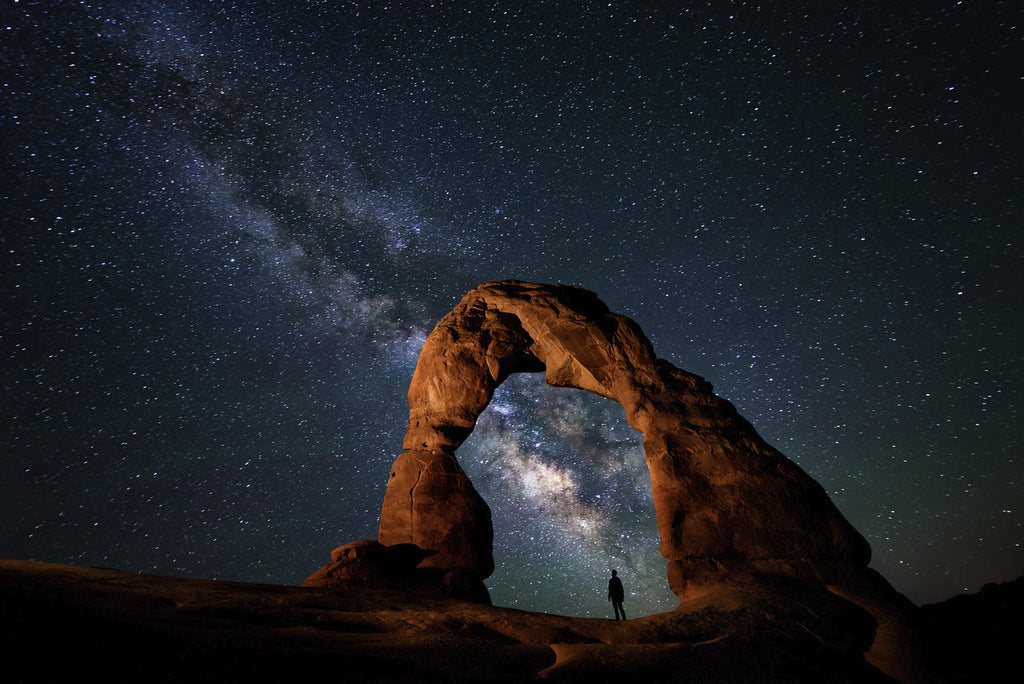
(228, 227)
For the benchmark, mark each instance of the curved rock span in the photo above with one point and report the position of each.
(721, 493)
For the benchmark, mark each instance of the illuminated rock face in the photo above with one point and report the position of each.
(720, 491)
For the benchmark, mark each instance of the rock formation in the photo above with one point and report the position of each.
(742, 526)
(721, 493)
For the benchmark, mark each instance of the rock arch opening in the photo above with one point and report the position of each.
(720, 492)
(564, 476)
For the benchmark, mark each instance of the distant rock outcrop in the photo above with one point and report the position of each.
(977, 637)
(721, 492)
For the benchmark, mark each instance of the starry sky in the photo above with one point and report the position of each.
(228, 227)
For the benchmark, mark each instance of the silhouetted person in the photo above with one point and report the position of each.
(616, 595)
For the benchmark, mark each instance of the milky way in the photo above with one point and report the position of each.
(228, 228)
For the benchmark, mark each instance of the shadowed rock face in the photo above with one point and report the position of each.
(720, 491)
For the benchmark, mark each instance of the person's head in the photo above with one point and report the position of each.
(614, 573)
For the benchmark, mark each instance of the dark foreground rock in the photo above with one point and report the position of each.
(978, 637)
(64, 623)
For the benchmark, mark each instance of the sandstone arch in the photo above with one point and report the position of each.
(722, 494)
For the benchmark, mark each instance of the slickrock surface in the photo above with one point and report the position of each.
(64, 623)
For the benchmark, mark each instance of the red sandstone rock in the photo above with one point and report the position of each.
(720, 491)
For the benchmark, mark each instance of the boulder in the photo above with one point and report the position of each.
(368, 560)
